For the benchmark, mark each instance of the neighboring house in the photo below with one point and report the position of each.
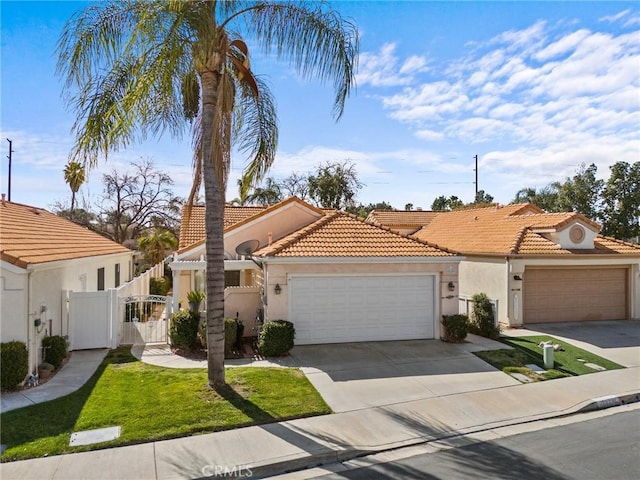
(539, 267)
(42, 257)
(406, 222)
(336, 277)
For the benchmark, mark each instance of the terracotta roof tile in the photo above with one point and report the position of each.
(192, 231)
(510, 230)
(401, 218)
(30, 235)
(339, 234)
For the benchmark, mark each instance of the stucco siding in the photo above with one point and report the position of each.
(489, 276)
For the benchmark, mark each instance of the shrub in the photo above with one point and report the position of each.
(230, 334)
(159, 286)
(183, 329)
(55, 350)
(15, 364)
(276, 338)
(455, 328)
(483, 322)
(202, 332)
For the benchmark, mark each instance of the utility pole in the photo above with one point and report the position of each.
(476, 182)
(9, 157)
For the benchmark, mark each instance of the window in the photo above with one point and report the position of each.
(101, 278)
(117, 282)
(232, 278)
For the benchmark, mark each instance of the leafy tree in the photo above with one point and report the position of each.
(136, 200)
(621, 202)
(136, 68)
(268, 194)
(363, 210)
(334, 185)
(408, 207)
(482, 198)
(444, 204)
(581, 193)
(155, 244)
(545, 198)
(75, 177)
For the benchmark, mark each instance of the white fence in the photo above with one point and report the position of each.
(104, 311)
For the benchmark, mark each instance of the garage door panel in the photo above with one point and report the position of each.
(578, 294)
(354, 308)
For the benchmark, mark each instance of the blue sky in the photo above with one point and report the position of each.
(533, 88)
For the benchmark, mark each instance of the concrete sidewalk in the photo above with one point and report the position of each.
(77, 371)
(275, 448)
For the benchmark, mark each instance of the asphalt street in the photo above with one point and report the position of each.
(602, 448)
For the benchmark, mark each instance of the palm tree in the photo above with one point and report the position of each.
(139, 67)
(74, 176)
(268, 194)
(156, 243)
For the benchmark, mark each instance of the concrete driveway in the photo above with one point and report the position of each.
(353, 376)
(618, 341)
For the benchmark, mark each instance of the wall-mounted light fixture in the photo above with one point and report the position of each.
(517, 277)
(277, 289)
(451, 286)
(37, 322)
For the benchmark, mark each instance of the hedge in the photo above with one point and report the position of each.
(15, 364)
(455, 328)
(276, 338)
(183, 329)
(55, 350)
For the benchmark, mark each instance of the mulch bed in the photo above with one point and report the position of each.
(246, 350)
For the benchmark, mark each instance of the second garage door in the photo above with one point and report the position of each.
(342, 308)
(575, 294)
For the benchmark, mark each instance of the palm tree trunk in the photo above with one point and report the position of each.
(214, 243)
(73, 200)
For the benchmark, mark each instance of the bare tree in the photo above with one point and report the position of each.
(136, 200)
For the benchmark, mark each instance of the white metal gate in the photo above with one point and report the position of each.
(89, 320)
(144, 319)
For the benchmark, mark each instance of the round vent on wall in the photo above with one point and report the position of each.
(576, 234)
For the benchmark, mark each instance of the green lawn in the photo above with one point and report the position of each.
(152, 403)
(526, 351)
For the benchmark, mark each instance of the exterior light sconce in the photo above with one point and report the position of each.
(517, 277)
(451, 286)
(277, 289)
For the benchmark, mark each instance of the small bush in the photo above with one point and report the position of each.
(183, 329)
(483, 321)
(276, 338)
(230, 334)
(202, 332)
(455, 328)
(15, 364)
(55, 350)
(159, 286)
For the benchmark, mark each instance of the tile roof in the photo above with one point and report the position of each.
(192, 231)
(510, 230)
(30, 235)
(401, 218)
(340, 234)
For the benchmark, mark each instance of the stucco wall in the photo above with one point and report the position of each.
(13, 313)
(280, 223)
(245, 301)
(278, 305)
(44, 296)
(486, 275)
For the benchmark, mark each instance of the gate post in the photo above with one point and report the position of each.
(114, 317)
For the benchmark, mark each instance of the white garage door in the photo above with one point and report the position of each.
(336, 309)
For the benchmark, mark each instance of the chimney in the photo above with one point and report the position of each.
(270, 237)
(418, 209)
(3, 200)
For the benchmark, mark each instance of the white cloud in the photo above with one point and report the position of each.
(616, 17)
(383, 68)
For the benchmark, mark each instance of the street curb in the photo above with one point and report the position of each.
(609, 401)
(345, 454)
